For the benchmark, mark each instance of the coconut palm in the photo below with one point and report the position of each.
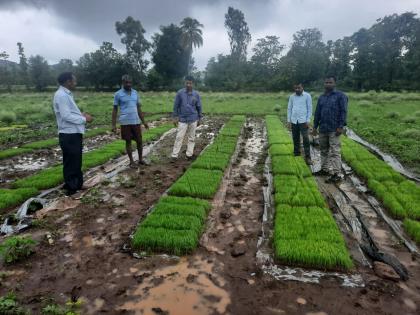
(191, 36)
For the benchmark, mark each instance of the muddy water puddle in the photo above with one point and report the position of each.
(190, 287)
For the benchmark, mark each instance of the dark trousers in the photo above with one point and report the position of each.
(72, 145)
(297, 130)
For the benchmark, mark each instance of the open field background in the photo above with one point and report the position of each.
(389, 120)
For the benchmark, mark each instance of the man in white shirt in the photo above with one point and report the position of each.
(299, 112)
(71, 127)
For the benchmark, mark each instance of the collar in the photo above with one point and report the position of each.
(332, 92)
(65, 90)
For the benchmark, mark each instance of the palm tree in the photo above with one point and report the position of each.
(191, 36)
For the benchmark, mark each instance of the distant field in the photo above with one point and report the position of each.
(389, 120)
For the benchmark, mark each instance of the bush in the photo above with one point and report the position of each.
(16, 248)
(7, 117)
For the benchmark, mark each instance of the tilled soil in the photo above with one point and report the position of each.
(88, 258)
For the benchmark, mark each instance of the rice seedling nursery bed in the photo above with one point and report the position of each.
(178, 220)
(399, 195)
(30, 186)
(305, 232)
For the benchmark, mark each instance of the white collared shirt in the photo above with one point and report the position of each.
(68, 115)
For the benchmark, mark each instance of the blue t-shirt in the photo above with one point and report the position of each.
(128, 106)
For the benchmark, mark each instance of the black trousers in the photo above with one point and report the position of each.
(297, 130)
(72, 146)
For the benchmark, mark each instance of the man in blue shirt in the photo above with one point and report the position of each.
(330, 118)
(128, 100)
(299, 112)
(71, 127)
(187, 116)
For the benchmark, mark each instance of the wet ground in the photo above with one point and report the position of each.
(24, 165)
(88, 257)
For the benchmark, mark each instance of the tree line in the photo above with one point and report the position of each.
(385, 56)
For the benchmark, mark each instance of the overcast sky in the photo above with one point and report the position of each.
(59, 29)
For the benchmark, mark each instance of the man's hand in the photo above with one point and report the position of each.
(146, 125)
(289, 126)
(338, 131)
(175, 121)
(198, 122)
(306, 125)
(88, 117)
(114, 129)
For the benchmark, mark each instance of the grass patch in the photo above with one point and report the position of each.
(305, 232)
(177, 221)
(399, 195)
(197, 183)
(413, 229)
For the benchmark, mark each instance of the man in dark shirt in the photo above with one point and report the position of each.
(330, 117)
(187, 117)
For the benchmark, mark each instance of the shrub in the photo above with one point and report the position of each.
(9, 306)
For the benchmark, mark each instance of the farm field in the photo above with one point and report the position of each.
(185, 237)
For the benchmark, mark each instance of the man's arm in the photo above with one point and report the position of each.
(114, 113)
(317, 116)
(141, 114)
(342, 113)
(308, 109)
(199, 109)
(175, 113)
(289, 109)
(289, 112)
(63, 106)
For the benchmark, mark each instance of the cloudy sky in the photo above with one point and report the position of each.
(59, 29)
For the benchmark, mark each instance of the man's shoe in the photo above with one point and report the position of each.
(190, 158)
(173, 159)
(69, 193)
(143, 162)
(335, 178)
(321, 173)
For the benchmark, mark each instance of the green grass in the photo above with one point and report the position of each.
(399, 195)
(199, 183)
(12, 197)
(177, 221)
(212, 161)
(16, 248)
(45, 144)
(305, 232)
(413, 229)
(5, 154)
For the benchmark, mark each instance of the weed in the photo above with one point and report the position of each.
(16, 248)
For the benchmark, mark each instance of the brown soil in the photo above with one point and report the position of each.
(88, 258)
